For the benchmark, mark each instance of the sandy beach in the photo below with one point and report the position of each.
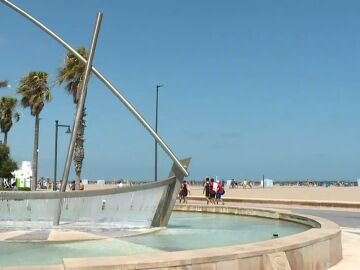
(338, 194)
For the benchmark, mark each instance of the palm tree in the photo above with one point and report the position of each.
(7, 114)
(35, 92)
(72, 75)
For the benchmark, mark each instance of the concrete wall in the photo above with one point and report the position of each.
(316, 249)
(267, 201)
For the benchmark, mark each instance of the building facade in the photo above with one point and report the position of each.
(23, 175)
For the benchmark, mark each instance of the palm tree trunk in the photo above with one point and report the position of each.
(5, 138)
(35, 154)
(79, 150)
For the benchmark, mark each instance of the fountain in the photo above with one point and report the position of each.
(46, 230)
(149, 204)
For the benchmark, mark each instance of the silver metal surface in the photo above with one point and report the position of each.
(168, 199)
(122, 207)
(156, 129)
(40, 195)
(81, 102)
(106, 82)
(79, 112)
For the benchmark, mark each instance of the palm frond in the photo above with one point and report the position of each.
(35, 91)
(7, 113)
(72, 73)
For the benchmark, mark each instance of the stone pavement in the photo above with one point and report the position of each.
(351, 252)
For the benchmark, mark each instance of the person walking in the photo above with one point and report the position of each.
(213, 189)
(184, 192)
(219, 192)
(206, 190)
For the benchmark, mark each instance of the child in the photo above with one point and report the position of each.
(184, 192)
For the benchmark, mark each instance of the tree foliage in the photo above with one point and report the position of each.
(7, 165)
(72, 73)
(7, 114)
(35, 91)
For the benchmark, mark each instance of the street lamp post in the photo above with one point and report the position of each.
(156, 126)
(57, 125)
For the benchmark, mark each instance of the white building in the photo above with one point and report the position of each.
(23, 175)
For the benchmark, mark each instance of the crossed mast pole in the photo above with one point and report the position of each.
(89, 67)
(107, 83)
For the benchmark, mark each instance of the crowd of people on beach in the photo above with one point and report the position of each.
(243, 184)
(212, 189)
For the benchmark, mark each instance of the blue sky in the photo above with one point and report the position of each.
(251, 87)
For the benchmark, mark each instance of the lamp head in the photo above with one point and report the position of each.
(68, 130)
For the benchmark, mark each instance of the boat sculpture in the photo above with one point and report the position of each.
(139, 206)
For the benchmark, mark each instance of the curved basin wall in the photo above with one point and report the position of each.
(318, 248)
(123, 207)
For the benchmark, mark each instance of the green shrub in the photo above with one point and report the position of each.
(24, 189)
